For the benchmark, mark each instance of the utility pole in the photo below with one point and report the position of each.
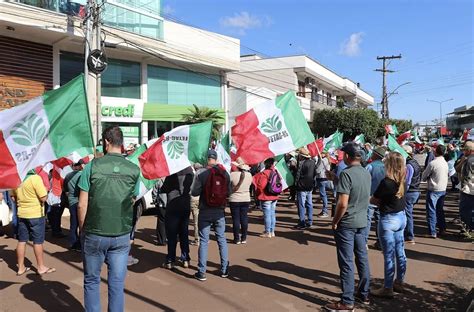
(440, 108)
(384, 70)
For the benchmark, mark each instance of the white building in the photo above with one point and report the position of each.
(43, 48)
(316, 86)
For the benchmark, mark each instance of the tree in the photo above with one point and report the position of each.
(403, 125)
(201, 114)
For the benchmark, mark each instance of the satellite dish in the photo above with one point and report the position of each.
(97, 61)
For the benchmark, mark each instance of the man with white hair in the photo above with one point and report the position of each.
(413, 179)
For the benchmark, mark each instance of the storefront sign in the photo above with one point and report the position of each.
(121, 110)
(131, 132)
(11, 96)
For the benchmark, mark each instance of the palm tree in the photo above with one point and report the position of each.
(197, 115)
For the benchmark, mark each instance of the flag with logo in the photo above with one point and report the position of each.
(287, 178)
(415, 136)
(405, 136)
(395, 147)
(145, 184)
(270, 129)
(44, 129)
(391, 129)
(333, 142)
(176, 150)
(360, 139)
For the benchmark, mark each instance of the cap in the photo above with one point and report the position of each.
(380, 151)
(212, 154)
(304, 152)
(408, 149)
(239, 163)
(352, 149)
(79, 163)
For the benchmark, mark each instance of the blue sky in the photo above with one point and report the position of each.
(434, 37)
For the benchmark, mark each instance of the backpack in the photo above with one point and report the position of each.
(274, 185)
(216, 188)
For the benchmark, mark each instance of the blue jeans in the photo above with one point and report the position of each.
(435, 212)
(176, 225)
(466, 209)
(372, 213)
(348, 243)
(240, 220)
(391, 228)
(114, 252)
(305, 206)
(269, 215)
(208, 217)
(74, 225)
(411, 198)
(322, 185)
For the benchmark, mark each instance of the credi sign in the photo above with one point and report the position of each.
(121, 110)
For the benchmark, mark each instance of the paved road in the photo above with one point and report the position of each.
(295, 271)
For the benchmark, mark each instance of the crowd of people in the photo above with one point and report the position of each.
(370, 185)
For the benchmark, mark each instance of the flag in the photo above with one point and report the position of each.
(465, 134)
(316, 147)
(395, 147)
(360, 139)
(270, 129)
(175, 150)
(333, 142)
(391, 129)
(403, 137)
(223, 156)
(415, 136)
(44, 129)
(440, 141)
(285, 173)
(145, 184)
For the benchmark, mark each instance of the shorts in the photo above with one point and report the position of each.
(31, 229)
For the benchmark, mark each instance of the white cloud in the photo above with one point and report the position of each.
(351, 46)
(168, 9)
(244, 21)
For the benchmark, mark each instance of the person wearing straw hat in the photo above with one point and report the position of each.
(239, 200)
(304, 188)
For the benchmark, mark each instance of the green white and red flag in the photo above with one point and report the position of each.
(415, 136)
(405, 136)
(145, 184)
(287, 178)
(360, 139)
(393, 145)
(391, 129)
(44, 129)
(176, 150)
(270, 129)
(316, 148)
(333, 142)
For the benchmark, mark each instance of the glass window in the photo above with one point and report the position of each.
(71, 65)
(121, 79)
(180, 87)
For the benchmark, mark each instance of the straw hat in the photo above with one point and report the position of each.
(239, 163)
(303, 151)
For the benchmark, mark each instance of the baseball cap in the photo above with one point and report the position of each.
(212, 154)
(352, 150)
(408, 149)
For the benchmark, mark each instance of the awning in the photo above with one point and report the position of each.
(167, 112)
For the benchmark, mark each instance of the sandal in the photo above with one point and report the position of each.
(49, 270)
(26, 270)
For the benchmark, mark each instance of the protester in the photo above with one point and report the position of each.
(436, 173)
(137, 212)
(413, 180)
(266, 197)
(430, 156)
(451, 157)
(239, 200)
(304, 182)
(349, 224)
(178, 208)
(195, 209)
(292, 164)
(12, 205)
(30, 197)
(70, 187)
(55, 211)
(389, 198)
(212, 186)
(376, 169)
(108, 186)
(160, 205)
(466, 173)
(322, 166)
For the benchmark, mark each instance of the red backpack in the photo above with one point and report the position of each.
(216, 188)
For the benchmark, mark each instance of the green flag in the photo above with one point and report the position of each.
(333, 142)
(360, 139)
(286, 175)
(395, 147)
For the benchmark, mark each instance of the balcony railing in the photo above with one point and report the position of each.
(319, 98)
(61, 6)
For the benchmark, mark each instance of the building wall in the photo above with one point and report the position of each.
(280, 80)
(26, 71)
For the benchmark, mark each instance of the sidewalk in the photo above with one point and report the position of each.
(295, 271)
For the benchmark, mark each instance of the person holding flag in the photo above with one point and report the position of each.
(305, 178)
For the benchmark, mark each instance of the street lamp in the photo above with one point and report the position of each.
(440, 108)
(394, 91)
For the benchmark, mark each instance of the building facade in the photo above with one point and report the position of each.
(157, 69)
(316, 86)
(461, 118)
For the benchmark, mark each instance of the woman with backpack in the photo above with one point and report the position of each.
(265, 182)
(239, 200)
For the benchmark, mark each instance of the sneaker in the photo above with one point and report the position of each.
(299, 227)
(200, 276)
(272, 234)
(131, 261)
(266, 235)
(339, 307)
(398, 286)
(185, 264)
(237, 242)
(225, 274)
(382, 292)
(244, 241)
(377, 246)
(362, 299)
(76, 247)
(308, 226)
(411, 242)
(323, 215)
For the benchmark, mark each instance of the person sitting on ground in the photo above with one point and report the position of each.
(267, 200)
(239, 200)
(390, 200)
(30, 197)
